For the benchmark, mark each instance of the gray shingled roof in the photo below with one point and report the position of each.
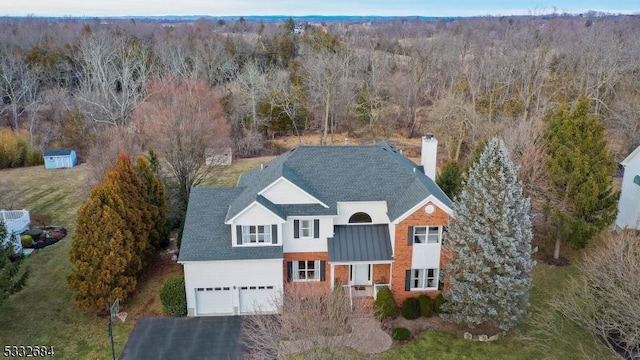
(360, 243)
(344, 173)
(206, 237)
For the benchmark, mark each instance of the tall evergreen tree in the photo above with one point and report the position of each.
(102, 251)
(449, 179)
(580, 167)
(12, 277)
(490, 245)
(136, 213)
(155, 198)
(117, 228)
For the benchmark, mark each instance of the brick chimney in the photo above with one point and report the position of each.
(428, 155)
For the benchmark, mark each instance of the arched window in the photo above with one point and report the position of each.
(359, 218)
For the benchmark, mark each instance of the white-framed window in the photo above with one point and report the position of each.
(427, 234)
(306, 228)
(424, 279)
(256, 234)
(306, 270)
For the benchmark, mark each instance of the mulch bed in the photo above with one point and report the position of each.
(50, 236)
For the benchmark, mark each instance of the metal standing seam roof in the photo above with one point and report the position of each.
(360, 243)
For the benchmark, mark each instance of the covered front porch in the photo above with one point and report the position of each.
(360, 258)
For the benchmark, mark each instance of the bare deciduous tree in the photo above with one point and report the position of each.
(604, 300)
(182, 119)
(312, 320)
(21, 85)
(114, 72)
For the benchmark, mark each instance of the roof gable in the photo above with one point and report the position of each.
(285, 191)
(630, 157)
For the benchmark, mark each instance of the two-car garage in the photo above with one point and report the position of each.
(233, 287)
(220, 300)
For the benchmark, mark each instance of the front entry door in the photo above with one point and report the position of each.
(361, 274)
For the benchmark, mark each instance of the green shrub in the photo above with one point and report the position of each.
(27, 241)
(426, 306)
(411, 309)
(438, 302)
(400, 333)
(385, 305)
(173, 297)
(34, 233)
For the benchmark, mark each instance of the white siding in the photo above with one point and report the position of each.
(256, 214)
(282, 191)
(234, 274)
(376, 209)
(307, 244)
(425, 256)
(629, 204)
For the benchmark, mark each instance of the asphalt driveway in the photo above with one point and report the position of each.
(214, 337)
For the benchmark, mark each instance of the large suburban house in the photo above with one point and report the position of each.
(629, 204)
(359, 216)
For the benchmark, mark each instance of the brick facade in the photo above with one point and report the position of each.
(403, 252)
(307, 256)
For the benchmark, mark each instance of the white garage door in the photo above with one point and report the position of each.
(257, 299)
(213, 301)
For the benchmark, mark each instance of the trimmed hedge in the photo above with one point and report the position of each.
(411, 309)
(400, 333)
(385, 305)
(438, 302)
(426, 306)
(173, 297)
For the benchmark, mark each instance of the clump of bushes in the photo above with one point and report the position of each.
(438, 302)
(27, 241)
(411, 309)
(385, 305)
(173, 297)
(16, 150)
(426, 306)
(400, 333)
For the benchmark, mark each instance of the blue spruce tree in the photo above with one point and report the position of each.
(489, 272)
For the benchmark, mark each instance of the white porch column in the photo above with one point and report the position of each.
(332, 275)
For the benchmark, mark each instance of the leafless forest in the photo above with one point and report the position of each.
(67, 83)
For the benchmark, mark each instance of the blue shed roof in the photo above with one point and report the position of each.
(66, 152)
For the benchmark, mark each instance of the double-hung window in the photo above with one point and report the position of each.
(426, 234)
(256, 234)
(307, 270)
(424, 279)
(306, 228)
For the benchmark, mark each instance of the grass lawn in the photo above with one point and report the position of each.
(574, 342)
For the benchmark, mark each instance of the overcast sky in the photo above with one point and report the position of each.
(309, 7)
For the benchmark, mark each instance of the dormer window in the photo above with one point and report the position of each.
(256, 234)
